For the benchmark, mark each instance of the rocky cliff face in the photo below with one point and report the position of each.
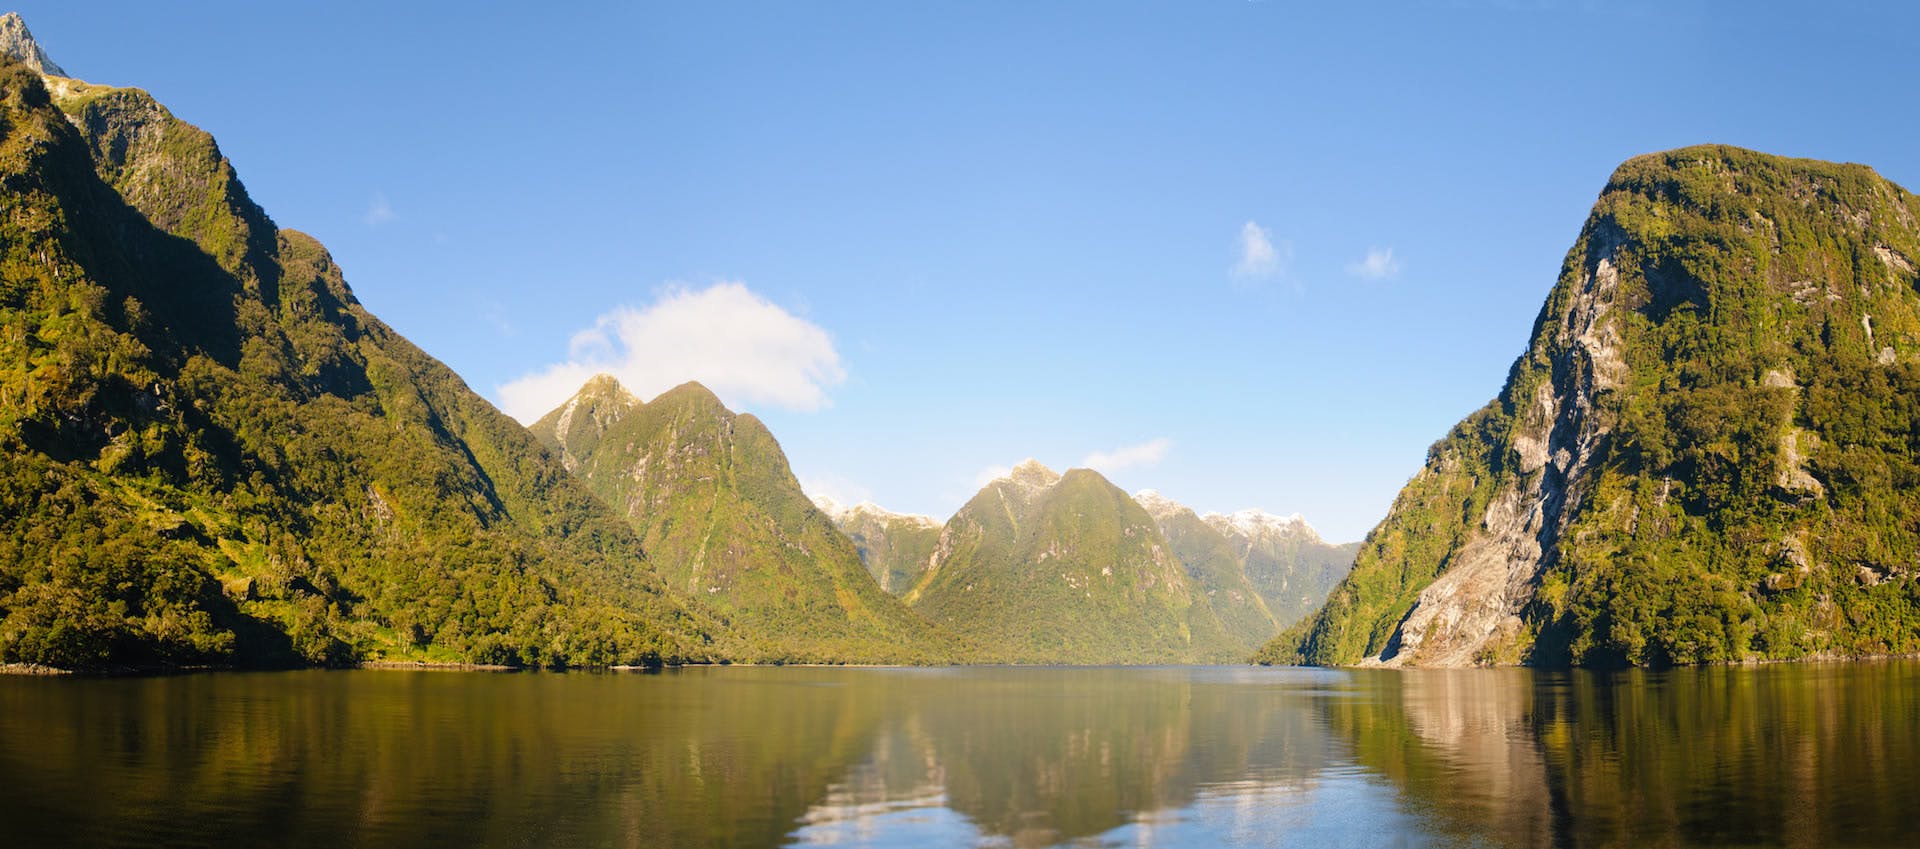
(17, 42)
(896, 547)
(1701, 456)
(1475, 606)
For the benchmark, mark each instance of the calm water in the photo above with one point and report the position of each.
(1814, 755)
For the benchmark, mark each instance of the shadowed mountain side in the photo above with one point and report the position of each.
(214, 454)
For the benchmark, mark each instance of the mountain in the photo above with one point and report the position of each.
(1046, 568)
(1291, 567)
(1216, 567)
(894, 546)
(17, 42)
(1708, 451)
(724, 520)
(211, 453)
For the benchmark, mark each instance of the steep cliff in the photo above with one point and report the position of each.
(210, 452)
(1708, 452)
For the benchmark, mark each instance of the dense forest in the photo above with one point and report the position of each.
(716, 505)
(1709, 452)
(210, 453)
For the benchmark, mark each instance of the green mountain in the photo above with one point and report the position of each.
(211, 453)
(1217, 569)
(724, 520)
(1045, 568)
(1710, 450)
(1288, 563)
(895, 547)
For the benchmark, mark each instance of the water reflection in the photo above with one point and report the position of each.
(1792, 755)
(1796, 755)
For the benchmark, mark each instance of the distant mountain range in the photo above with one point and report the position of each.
(724, 521)
(212, 454)
(1044, 567)
(896, 547)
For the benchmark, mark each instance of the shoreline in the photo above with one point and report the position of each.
(38, 670)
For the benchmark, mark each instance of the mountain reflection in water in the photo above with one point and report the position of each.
(1801, 755)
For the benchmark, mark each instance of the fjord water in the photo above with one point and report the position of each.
(1792, 755)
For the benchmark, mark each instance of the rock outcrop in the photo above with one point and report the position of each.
(1701, 456)
(17, 42)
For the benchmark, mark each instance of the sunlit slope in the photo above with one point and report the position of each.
(1710, 450)
(212, 453)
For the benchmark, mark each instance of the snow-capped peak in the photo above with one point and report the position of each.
(1158, 506)
(1256, 524)
(839, 513)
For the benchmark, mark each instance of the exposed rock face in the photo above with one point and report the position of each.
(1475, 606)
(17, 42)
(1699, 456)
(896, 547)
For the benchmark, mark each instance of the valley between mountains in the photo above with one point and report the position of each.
(212, 454)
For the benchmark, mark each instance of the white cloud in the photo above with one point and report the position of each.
(1145, 454)
(1260, 256)
(746, 349)
(1379, 264)
(379, 211)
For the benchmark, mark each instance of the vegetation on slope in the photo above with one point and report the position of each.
(210, 453)
(1752, 390)
(1044, 568)
(894, 547)
(1218, 572)
(724, 519)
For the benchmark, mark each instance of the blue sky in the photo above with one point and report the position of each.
(925, 240)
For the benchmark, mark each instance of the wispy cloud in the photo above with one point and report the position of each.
(1261, 257)
(379, 210)
(745, 348)
(1146, 453)
(1378, 264)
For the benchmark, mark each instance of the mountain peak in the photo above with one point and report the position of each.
(1259, 524)
(691, 391)
(1158, 506)
(602, 384)
(1033, 474)
(17, 42)
(840, 512)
